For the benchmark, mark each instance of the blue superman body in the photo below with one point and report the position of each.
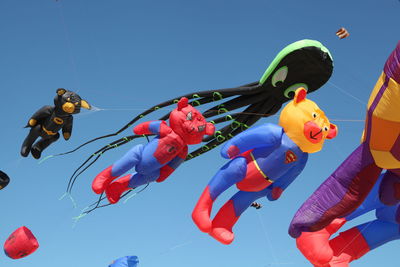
(267, 161)
(264, 161)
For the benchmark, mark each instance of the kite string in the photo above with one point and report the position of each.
(186, 242)
(270, 247)
(98, 109)
(245, 113)
(267, 238)
(346, 93)
(85, 211)
(362, 102)
(69, 44)
(360, 231)
(354, 238)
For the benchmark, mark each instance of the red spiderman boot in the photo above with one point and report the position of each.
(102, 180)
(117, 188)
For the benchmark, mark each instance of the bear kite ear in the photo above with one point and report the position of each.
(183, 102)
(61, 91)
(85, 104)
(300, 95)
(333, 130)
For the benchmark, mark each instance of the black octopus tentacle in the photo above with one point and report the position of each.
(87, 163)
(233, 104)
(216, 95)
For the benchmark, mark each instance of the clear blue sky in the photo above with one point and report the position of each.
(126, 55)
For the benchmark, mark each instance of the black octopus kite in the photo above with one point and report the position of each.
(305, 63)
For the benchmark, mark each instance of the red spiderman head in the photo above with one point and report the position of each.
(189, 123)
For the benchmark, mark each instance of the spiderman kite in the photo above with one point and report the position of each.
(160, 157)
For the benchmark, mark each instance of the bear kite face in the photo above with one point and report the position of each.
(305, 123)
(189, 123)
(70, 102)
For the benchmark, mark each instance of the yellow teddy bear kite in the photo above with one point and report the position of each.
(264, 161)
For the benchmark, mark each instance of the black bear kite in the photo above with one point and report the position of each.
(47, 121)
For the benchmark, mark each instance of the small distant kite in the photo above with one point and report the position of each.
(256, 205)
(342, 33)
(4, 180)
(128, 261)
(20, 243)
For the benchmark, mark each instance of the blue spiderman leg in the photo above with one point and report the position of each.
(127, 162)
(228, 215)
(231, 173)
(139, 179)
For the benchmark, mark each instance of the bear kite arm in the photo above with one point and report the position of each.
(67, 127)
(266, 135)
(40, 114)
(153, 127)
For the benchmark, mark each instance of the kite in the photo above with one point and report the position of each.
(357, 241)
(350, 183)
(47, 121)
(342, 33)
(305, 63)
(159, 158)
(265, 160)
(4, 180)
(20, 243)
(128, 261)
(256, 205)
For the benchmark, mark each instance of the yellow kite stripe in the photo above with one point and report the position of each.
(259, 169)
(48, 131)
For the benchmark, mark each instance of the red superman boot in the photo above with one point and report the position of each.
(202, 211)
(223, 223)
